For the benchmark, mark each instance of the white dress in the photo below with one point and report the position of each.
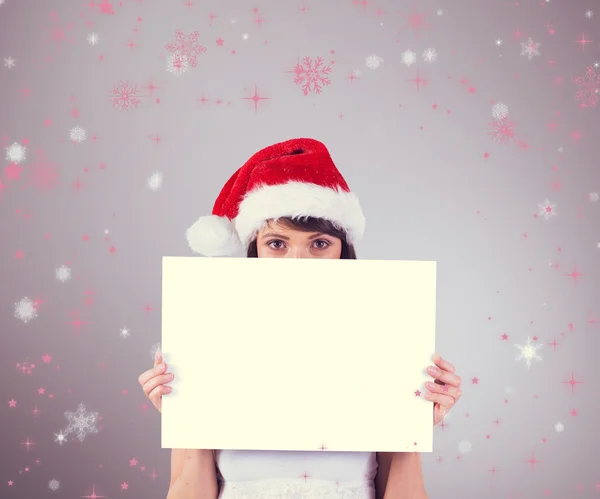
(251, 474)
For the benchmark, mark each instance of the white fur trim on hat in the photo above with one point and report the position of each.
(213, 236)
(299, 199)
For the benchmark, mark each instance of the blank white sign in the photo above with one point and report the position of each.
(298, 354)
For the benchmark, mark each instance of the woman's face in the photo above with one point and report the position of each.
(278, 241)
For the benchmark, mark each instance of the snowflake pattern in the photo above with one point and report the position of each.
(63, 273)
(155, 181)
(499, 111)
(588, 85)
(125, 333)
(81, 423)
(430, 55)
(186, 46)
(15, 153)
(373, 61)
(53, 485)
(530, 48)
(312, 76)
(547, 209)
(9, 62)
(77, 134)
(408, 57)
(559, 427)
(465, 446)
(502, 130)
(528, 352)
(25, 310)
(124, 96)
(93, 39)
(177, 64)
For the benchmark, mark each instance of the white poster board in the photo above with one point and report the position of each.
(298, 354)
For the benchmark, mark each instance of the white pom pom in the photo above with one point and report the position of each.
(213, 236)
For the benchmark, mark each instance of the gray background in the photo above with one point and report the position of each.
(426, 188)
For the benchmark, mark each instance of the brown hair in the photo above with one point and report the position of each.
(311, 224)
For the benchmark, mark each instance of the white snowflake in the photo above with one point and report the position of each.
(547, 209)
(9, 62)
(155, 181)
(430, 55)
(559, 427)
(61, 437)
(499, 111)
(594, 196)
(373, 61)
(589, 14)
(498, 42)
(177, 64)
(53, 485)
(63, 273)
(77, 134)
(356, 73)
(81, 423)
(245, 36)
(125, 332)
(439, 12)
(409, 57)
(465, 446)
(530, 48)
(25, 310)
(528, 352)
(93, 39)
(155, 348)
(15, 153)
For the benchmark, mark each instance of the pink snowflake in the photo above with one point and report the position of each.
(186, 46)
(502, 130)
(588, 85)
(312, 76)
(124, 96)
(43, 174)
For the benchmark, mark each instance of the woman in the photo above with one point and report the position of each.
(290, 201)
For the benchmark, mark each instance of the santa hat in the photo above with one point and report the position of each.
(295, 178)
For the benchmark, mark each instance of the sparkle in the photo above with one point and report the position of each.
(547, 209)
(528, 352)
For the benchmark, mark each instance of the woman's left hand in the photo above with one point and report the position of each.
(444, 392)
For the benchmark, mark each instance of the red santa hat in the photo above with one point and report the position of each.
(295, 178)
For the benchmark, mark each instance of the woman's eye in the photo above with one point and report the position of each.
(324, 244)
(274, 242)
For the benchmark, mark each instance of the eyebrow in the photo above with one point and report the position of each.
(281, 236)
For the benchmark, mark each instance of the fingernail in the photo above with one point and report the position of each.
(433, 370)
(430, 385)
(160, 367)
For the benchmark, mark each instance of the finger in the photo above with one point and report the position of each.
(151, 373)
(157, 380)
(445, 389)
(155, 395)
(157, 357)
(440, 398)
(443, 364)
(444, 376)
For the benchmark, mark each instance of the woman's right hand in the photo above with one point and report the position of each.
(154, 381)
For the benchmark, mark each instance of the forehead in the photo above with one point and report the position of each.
(281, 228)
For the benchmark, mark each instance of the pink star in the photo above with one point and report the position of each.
(475, 381)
